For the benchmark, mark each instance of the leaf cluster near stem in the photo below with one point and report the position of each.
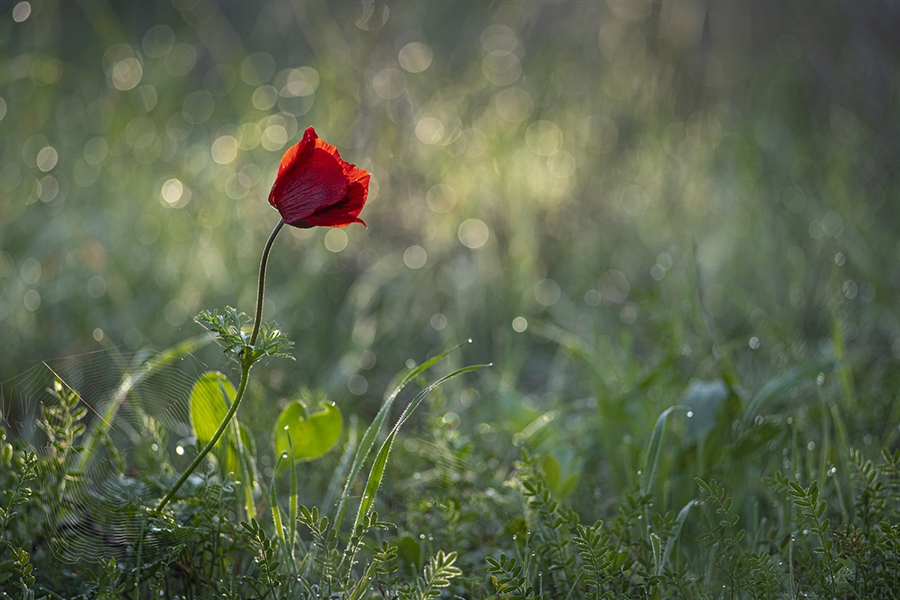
(229, 329)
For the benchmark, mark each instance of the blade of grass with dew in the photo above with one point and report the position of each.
(653, 450)
(670, 543)
(128, 382)
(368, 440)
(292, 502)
(841, 481)
(364, 582)
(377, 472)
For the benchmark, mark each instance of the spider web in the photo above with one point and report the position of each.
(137, 423)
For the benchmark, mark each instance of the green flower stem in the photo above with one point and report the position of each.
(262, 282)
(247, 361)
(245, 372)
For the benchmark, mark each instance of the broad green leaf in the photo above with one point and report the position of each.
(210, 399)
(550, 466)
(409, 552)
(311, 435)
(703, 399)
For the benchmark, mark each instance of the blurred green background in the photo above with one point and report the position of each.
(676, 192)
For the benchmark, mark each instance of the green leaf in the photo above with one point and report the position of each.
(703, 399)
(311, 435)
(210, 399)
(409, 552)
(550, 466)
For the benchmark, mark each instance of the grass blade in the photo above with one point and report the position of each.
(377, 472)
(653, 450)
(670, 543)
(368, 439)
(276, 511)
(292, 506)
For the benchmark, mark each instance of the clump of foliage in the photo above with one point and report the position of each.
(462, 524)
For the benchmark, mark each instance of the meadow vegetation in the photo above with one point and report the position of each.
(669, 227)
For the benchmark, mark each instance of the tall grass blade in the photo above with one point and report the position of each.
(368, 439)
(377, 471)
(292, 506)
(653, 450)
(276, 511)
(670, 543)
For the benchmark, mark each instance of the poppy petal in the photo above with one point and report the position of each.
(315, 187)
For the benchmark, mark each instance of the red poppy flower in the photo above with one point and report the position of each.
(316, 188)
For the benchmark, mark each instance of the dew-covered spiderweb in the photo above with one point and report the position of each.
(103, 482)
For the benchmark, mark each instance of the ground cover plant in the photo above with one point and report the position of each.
(670, 228)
